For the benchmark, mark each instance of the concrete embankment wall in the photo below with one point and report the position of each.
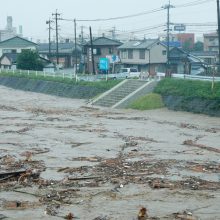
(193, 104)
(50, 87)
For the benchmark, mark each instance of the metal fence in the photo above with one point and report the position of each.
(64, 75)
(196, 77)
(97, 77)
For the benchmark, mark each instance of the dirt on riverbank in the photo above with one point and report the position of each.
(61, 159)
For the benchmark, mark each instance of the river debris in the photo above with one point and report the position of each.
(185, 215)
(142, 215)
(201, 146)
(69, 216)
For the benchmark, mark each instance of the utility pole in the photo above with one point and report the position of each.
(93, 64)
(113, 33)
(57, 46)
(82, 35)
(218, 14)
(168, 6)
(75, 46)
(49, 38)
(82, 54)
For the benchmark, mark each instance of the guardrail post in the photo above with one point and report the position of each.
(36, 73)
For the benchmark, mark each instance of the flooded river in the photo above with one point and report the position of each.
(100, 163)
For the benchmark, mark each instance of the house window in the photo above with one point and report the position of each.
(142, 54)
(6, 51)
(130, 54)
(164, 52)
(110, 51)
(124, 54)
(97, 51)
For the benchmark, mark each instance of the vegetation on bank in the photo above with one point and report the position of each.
(147, 102)
(103, 85)
(188, 88)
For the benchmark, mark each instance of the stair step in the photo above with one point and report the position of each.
(119, 93)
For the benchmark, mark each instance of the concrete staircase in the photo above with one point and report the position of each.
(119, 92)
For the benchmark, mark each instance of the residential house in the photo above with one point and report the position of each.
(11, 47)
(209, 57)
(148, 55)
(8, 61)
(182, 62)
(67, 55)
(16, 45)
(102, 48)
(211, 42)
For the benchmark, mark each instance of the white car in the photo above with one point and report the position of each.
(130, 72)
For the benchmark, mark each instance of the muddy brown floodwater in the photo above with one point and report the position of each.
(61, 158)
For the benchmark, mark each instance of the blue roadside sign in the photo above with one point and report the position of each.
(103, 64)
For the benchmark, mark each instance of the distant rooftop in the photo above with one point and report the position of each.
(138, 44)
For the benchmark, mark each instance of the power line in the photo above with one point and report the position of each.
(207, 24)
(194, 3)
(116, 18)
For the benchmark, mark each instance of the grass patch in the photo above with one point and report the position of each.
(147, 102)
(188, 88)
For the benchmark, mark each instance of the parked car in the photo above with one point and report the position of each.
(125, 73)
(130, 72)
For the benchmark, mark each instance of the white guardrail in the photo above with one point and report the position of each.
(69, 75)
(98, 77)
(196, 77)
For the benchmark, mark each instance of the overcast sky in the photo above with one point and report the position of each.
(32, 15)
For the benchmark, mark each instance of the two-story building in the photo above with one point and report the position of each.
(67, 55)
(10, 48)
(211, 42)
(102, 47)
(148, 55)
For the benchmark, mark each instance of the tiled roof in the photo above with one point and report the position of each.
(16, 42)
(104, 41)
(62, 47)
(204, 53)
(211, 35)
(138, 44)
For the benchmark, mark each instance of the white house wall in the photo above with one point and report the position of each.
(156, 56)
(5, 61)
(18, 49)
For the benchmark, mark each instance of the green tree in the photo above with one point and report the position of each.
(198, 46)
(187, 45)
(29, 60)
